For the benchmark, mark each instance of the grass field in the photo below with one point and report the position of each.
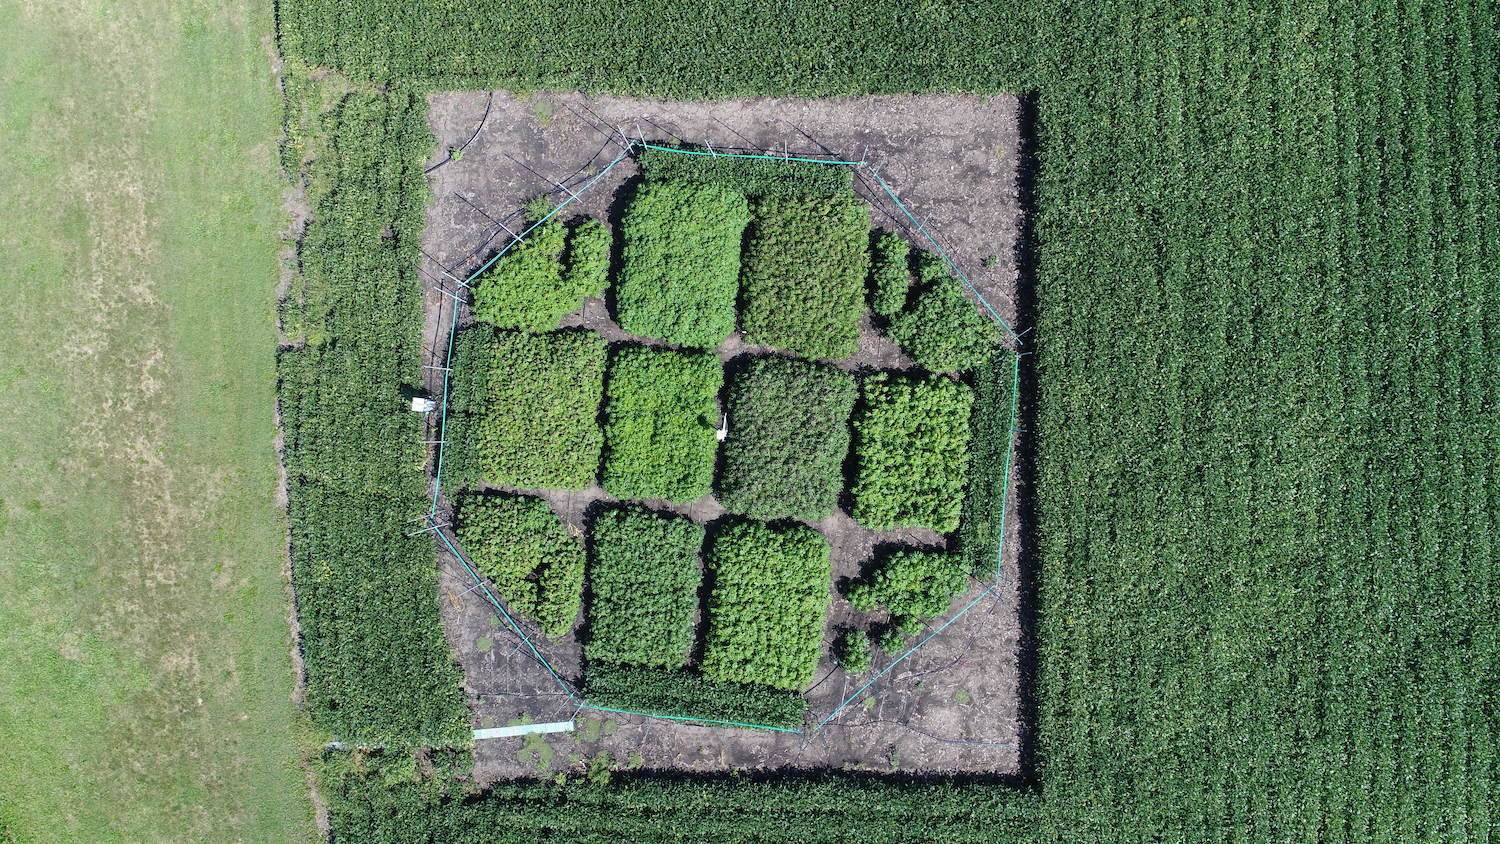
(145, 676)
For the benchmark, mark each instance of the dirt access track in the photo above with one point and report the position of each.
(953, 705)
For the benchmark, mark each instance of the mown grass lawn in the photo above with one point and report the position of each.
(145, 671)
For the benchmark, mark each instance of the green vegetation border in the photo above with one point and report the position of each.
(366, 591)
(751, 175)
(742, 809)
(620, 688)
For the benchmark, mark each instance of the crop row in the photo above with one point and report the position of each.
(759, 49)
(379, 671)
(1266, 361)
(366, 808)
(757, 177)
(689, 695)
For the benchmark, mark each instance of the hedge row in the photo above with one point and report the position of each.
(687, 695)
(802, 279)
(989, 457)
(379, 670)
(787, 440)
(754, 177)
(470, 367)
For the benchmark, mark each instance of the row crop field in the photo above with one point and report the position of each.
(1262, 398)
(379, 672)
(1268, 427)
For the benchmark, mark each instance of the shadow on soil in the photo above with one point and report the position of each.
(1028, 560)
(1023, 781)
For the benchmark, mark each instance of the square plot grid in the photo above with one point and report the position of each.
(953, 705)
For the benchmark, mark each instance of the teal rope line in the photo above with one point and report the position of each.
(584, 704)
(900, 659)
(572, 195)
(1010, 447)
(684, 718)
(748, 155)
(1015, 393)
(437, 484)
(513, 625)
(892, 194)
(946, 259)
(1010, 450)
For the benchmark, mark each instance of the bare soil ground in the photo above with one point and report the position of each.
(953, 705)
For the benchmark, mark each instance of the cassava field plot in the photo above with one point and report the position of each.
(759, 449)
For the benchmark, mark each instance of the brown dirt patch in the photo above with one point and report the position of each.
(953, 705)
